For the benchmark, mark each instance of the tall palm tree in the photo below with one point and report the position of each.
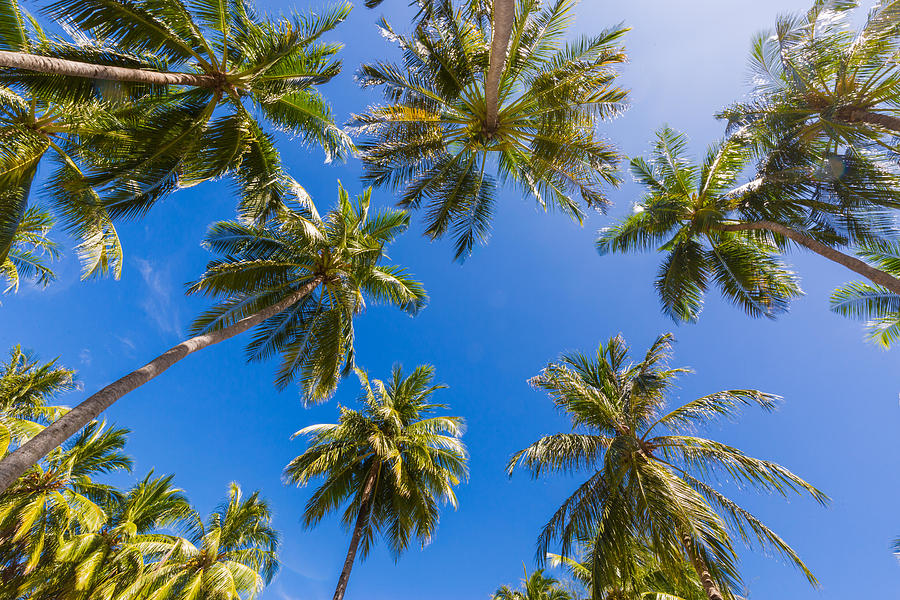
(391, 463)
(231, 556)
(536, 586)
(107, 563)
(433, 140)
(646, 485)
(301, 279)
(189, 126)
(878, 306)
(817, 80)
(54, 497)
(718, 233)
(30, 251)
(26, 388)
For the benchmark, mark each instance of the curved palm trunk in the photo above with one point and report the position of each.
(14, 465)
(501, 29)
(72, 68)
(706, 580)
(861, 115)
(362, 520)
(854, 264)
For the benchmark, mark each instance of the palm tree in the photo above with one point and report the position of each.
(54, 497)
(189, 126)
(716, 233)
(391, 463)
(108, 562)
(26, 387)
(817, 80)
(646, 486)
(301, 279)
(229, 557)
(536, 586)
(878, 306)
(431, 143)
(40, 125)
(30, 250)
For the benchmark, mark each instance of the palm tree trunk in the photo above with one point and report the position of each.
(854, 264)
(501, 29)
(861, 115)
(14, 465)
(72, 68)
(361, 520)
(706, 580)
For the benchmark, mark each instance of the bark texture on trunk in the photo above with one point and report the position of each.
(13, 466)
(361, 520)
(706, 580)
(851, 262)
(72, 68)
(861, 115)
(501, 29)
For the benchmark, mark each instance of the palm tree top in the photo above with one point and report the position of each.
(432, 143)
(649, 469)
(336, 263)
(413, 457)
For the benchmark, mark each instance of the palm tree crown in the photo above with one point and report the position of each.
(116, 158)
(392, 464)
(30, 251)
(338, 257)
(536, 586)
(818, 81)
(715, 232)
(433, 145)
(648, 486)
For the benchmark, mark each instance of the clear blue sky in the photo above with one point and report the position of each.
(536, 290)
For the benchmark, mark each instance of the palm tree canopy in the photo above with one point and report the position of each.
(874, 304)
(649, 473)
(536, 586)
(707, 224)
(431, 144)
(230, 556)
(26, 388)
(31, 251)
(416, 458)
(115, 158)
(818, 80)
(342, 253)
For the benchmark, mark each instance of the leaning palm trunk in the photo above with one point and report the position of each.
(13, 466)
(706, 580)
(854, 264)
(860, 115)
(501, 29)
(362, 520)
(72, 68)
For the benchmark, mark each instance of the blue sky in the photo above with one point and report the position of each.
(536, 290)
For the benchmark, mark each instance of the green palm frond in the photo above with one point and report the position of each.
(648, 490)
(416, 460)
(430, 143)
(342, 255)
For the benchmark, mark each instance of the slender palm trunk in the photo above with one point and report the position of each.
(851, 262)
(361, 520)
(501, 29)
(861, 115)
(72, 68)
(706, 580)
(14, 465)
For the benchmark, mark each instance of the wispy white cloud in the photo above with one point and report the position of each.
(85, 357)
(158, 301)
